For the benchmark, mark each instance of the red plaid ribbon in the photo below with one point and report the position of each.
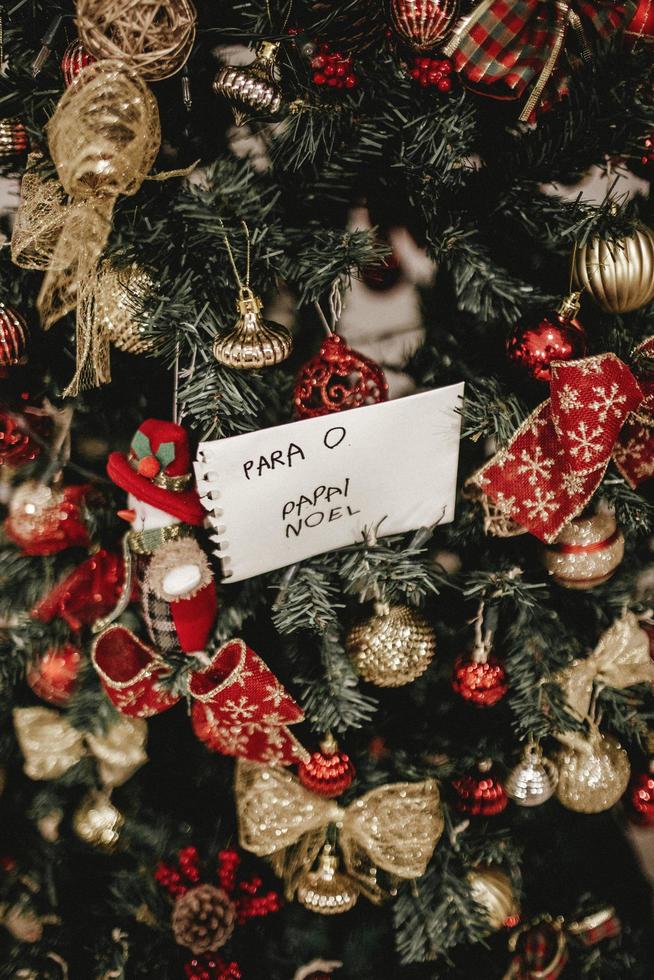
(541, 949)
(557, 458)
(513, 42)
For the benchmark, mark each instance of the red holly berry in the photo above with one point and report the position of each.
(434, 72)
(333, 68)
(328, 772)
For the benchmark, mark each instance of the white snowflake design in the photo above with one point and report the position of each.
(543, 506)
(241, 708)
(535, 423)
(276, 694)
(504, 505)
(537, 466)
(569, 399)
(591, 366)
(608, 402)
(573, 484)
(587, 444)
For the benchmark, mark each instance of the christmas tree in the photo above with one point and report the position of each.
(388, 718)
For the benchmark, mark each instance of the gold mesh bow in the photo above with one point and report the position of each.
(394, 828)
(103, 138)
(620, 659)
(51, 746)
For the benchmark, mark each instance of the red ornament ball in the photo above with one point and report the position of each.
(421, 23)
(53, 677)
(13, 338)
(333, 69)
(480, 795)
(44, 520)
(640, 799)
(641, 26)
(18, 432)
(481, 684)
(432, 72)
(327, 772)
(337, 378)
(75, 58)
(555, 337)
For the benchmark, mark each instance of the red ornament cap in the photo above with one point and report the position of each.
(327, 772)
(54, 676)
(337, 378)
(481, 794)
(532, 347)
(482, 683)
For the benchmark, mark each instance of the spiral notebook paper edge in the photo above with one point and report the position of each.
(207, 481)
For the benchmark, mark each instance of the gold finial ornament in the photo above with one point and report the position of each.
(253, 342)
(251, 88)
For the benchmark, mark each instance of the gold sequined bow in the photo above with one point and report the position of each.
(51, 746)
(620, 659)
(394, 828)
(103, 138)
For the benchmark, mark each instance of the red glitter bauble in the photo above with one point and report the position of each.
(640, 799)
(421, 23)
(75, 58)
(327, 772)
(53, 677)
(13, 338)
(337, 378)
(555, 337)
(44, 520)
(641, 26)
(480, 795)
(482, 684)
(18, 434)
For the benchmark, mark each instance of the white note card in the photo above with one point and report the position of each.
(286, 493)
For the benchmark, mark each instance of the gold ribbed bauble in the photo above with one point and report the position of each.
(491, 888)
(392, 647)
(327, 890)
(119, 296)
(593, 775)
(533, 781)
(251, 88)
(619, 275)
(253, 342)
(98, 822)
(14, 141)
(586, 553)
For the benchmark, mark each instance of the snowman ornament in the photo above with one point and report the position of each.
(161, 551)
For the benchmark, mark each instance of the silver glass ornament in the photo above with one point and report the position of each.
(533, 781)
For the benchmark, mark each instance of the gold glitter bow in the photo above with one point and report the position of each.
(51, 746)
(620, 659)
(394, 828)
(103, 138)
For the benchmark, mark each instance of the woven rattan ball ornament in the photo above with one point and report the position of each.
(593, 774)
(491, 888)
(253, 342)
(327, 890)
(74, 59)
(98, 822)
(619, 275)
(153, 37)
(586, 553)
(14, 141)
(119, 296)
(13, 338)
(253, 88)
(533, 781)
(392, 647)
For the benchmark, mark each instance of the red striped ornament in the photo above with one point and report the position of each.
(421, 23)
(13, 337)
(75, 58)
(14, 141)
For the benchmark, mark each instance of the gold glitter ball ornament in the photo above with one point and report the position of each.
(533, 781)
(98, 822)
(154, 37)
(619, 275)
(253, 342)
(119, 296)
(251, 88)
(491, 888)
(593, 774)
(586, 553)
(392, 647)
(327, 890)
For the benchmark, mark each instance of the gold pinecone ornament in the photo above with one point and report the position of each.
(619, 275)
(593, 773)
(119, 296)
(533, 781)
(392, 647)
(203, 919)
(253, 88)
(327, 890)
(253, 342)
(98, 822)
(491, 888)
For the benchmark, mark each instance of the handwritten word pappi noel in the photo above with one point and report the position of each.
(316, 508)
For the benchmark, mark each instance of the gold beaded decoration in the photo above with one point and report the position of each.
(119, 292)
(593, 773)
(392, 647)
(327, 890)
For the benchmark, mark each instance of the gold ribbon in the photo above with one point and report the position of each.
(620, 659)
(103, 138)
(51, 746)
(394, 828)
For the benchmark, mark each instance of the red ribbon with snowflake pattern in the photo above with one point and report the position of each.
(597, 411)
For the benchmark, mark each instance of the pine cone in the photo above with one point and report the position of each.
(203, 919)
